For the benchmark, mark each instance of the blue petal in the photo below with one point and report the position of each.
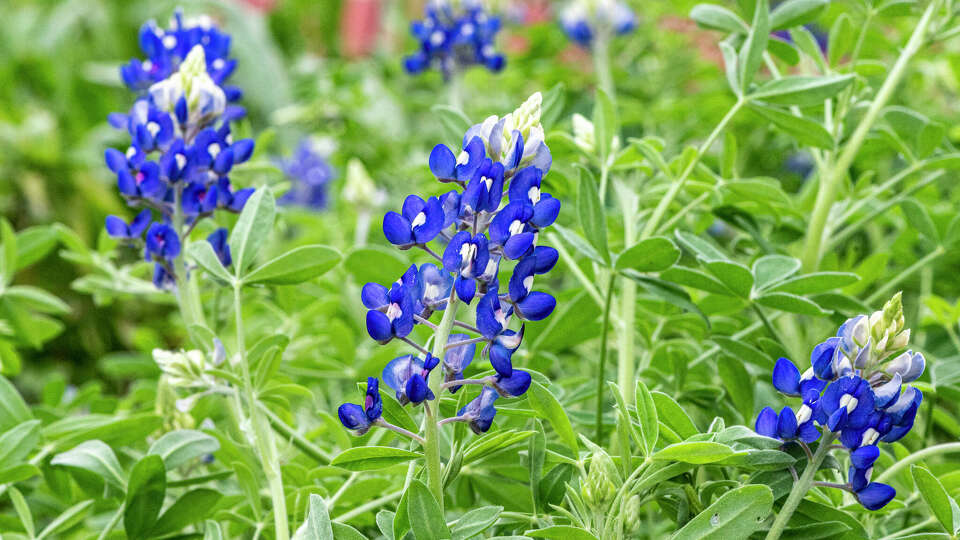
(500, 359)
(546, 257)
(888, 392)
(466, 289)
(353, 417)
(417, 389)
(787, 423)
(397, 229)
(442, 162)
(518, 245)
(379, 327)
(117, 227)
(115, 159)
(864, 457)
(537, 306)
(459, 357)
(786, 377)
(514, 385)
(545, 212)
(766, 423)
(374, 296)
(822, 358)
(876, 495)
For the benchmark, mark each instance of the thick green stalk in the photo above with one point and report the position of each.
(432, 447)
(830, 182)
(603, 355)
(262, 434)
(800, 488)
(601, 62)
(653, 223)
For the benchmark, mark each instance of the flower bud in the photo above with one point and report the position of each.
(584, 134)
(204, 98)
(631, 518)
(597, 488)
(359, 189)
(183, 369)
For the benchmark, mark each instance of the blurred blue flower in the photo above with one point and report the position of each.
(585, 20)
(359, 419)
(310, 176)
(454, 36)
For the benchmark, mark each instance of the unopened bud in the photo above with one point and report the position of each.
(598, 488)
(583, 134)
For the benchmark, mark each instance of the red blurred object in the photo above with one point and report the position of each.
(263, 6)
(537, 11)
(359, 27)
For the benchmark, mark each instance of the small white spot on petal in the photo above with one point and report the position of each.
(419, 220)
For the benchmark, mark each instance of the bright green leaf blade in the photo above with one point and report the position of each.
(817, 283)
(649, 255)
(795, 13)
(547, 406)
(802, 90)
(369, 458)
(592, 218)
(751, 53)
(426, 519)
(94, 456)
(296, 266)
(252, 228)
(694, 452)
(647, 417)
(736, 515)
(145, 493)
(181, 446)
(561, 532)
(191, 507)
(202, 253)
(714, 17)
(791, 303)
(935, 496)
(805, 131)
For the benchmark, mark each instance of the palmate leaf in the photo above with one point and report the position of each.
(734, 516)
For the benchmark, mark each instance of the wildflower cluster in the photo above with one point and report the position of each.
(586, 20)
(482, 234)
(181, 152)
(453, 36)
(856, 388)
(310, 175)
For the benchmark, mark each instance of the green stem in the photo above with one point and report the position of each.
(911, 529)
(455, 90)
(769, 326)
(363, 508)
(664, 204)
(601, 62)
(603, 355)
(830, 183)
(626, 353)
(262, 435)
(311, 450)
(112, 523)
(891, 284)
(432, 447)
(800, 488)
(917, 456)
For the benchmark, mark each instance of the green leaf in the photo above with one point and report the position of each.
(94, 456)
(493, 442)
(181, 446)
(424, 513)
(841, 39)
(34, 243)
(805, 131)
(561, 532)
(552, 106)
(751, 53)
(714, 17)
(17, 473)
(668, 292)
(346, 532)
(738, 382)
(735, 276)
(743, 351)
(807, 42)
(68, 518)
(591, 214)
(731, 66)
(454, 122)
(650, 255)
(801, 90)
(691, 277)
(817, 283)
(17, 443)
(772, 269)
(547, 406)
(703, 249)
(301, 264)
(148, 485)
(941, 504)
(375, 264)
(23, 511)
(919, 219)
(649, 428)
(212, 530)
(8, 252)
(252, 228)
(37, 299)
(673, 416)
(475, 522)
(536, 455)
(604, 125)
(369, 458)
(791, 303)
(694, 452)
(796, 13)
(202, 253)
(191, 507)
(736, 515)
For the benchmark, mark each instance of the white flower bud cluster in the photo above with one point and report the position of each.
(184, 369)
(205, 100)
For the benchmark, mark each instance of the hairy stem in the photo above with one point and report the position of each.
(601, 368)
(800, 488)
(626, 356)
(830, 183)
(931, 451)
(432, 439)
(262, 434)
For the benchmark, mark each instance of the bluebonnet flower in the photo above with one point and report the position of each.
(360, 419)
(586, 20)
(118, 228)
(310, 176)
(480, 231)
(218, 241)
(181, 148)
(855, 393)
(454, 35)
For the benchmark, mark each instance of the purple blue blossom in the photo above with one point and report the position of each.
(453, 36)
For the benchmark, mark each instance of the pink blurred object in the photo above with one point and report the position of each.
(263, 6)
(537, 11)
(359, 27)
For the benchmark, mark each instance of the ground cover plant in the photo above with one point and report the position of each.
(589, 269)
